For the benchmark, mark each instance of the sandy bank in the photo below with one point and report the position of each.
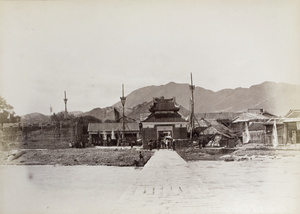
(72, 156)
(244, 152)
(125, 156)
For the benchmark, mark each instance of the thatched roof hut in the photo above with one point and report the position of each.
(212, 127)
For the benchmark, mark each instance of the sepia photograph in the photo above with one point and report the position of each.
(150, 107)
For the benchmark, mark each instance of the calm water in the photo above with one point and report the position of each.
(260, 186)
(62, 189)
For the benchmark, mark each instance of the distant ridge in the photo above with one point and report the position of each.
(35, 118)
(276, 98)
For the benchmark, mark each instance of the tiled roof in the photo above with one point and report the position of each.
(260, 111)
(218, 115)
(293, 113)
(96, 127)
(291, 120)
(165, 117)
(213, 130)
(162, 104)
(214, 127)
(271, 121)
(221, 128)
(201, 123)
(247, 117)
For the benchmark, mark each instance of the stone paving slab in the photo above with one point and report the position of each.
(165, 185)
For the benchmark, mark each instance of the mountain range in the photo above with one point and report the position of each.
(276, 98)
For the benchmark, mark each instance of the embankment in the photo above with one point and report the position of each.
(73, 156)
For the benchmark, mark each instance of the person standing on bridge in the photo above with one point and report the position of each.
(141, 157)
(173, 144)
(158, 144)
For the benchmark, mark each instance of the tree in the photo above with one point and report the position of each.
(85, 120)
(60, 116)
(7, 113)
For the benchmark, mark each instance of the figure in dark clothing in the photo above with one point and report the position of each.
(150, 145)
(173, 144)
(141, 156)
(201, 141)
(142, 161)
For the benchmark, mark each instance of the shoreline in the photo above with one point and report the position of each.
(242, 153)
(69, 157)
(129, 157)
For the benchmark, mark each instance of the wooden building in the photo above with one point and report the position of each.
(163, 121)
(238, 124)
(108, 134)
(292, 126)
(211, 130)
(224, 118)
(269, 128)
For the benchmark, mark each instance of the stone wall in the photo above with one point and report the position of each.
(41, 138)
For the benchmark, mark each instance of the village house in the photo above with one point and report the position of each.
(249, 125)
(260, 111)
(224, 118)
(212, 130)
(269, 131)
(252, 116)
(163, 121)
(108, 134)
(292, 126)
(257, 132)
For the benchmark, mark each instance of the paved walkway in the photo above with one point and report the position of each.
(167, 185)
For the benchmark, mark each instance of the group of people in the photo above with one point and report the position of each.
(77, 144)
(162, 144)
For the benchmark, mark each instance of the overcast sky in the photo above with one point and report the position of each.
(89, 48)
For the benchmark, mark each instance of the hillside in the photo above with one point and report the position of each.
(146, 94)
(142, 110)
(108, 113)
(35, 118)
(277, 98)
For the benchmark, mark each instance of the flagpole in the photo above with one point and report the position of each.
(192, 88)
(123, 100)
(50, 110)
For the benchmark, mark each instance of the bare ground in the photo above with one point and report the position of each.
(244, 152)
(124, 156)
(73, 156)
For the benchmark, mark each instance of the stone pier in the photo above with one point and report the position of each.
(167, 185)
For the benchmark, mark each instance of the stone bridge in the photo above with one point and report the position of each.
(167, 185)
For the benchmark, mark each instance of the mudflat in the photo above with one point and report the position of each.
(72, 156)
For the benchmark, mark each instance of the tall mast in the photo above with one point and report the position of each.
(66, 100)
(192, 88)
(123, 100)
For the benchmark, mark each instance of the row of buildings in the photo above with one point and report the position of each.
(227, 128)
(164, 120)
